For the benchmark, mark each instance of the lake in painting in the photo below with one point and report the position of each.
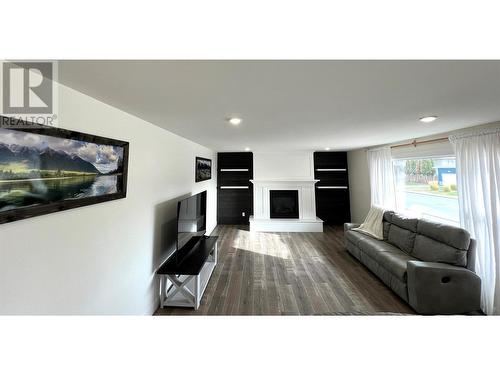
(37, 169)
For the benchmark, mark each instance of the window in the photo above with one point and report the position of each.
(427, 188)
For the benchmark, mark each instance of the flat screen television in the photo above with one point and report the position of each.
(191, 220)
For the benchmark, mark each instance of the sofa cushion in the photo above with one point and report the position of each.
(354, 236)
(397, 285)
(450, 235)
(388, 216)
(404, 222)
(373, 247)
(387, 226)
(402, 238)
(387, 223)
(353, 249)
(395, 263)
(430, 250)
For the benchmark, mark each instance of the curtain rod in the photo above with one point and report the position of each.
(415, 143)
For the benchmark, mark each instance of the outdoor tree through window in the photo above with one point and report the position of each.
(427, 188)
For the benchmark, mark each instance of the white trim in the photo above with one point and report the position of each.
(444, 156)
(286, 225)
(474, 134)
(281, 181)
(331, 169)
(436, 150)
(307, 221)
(378, 148)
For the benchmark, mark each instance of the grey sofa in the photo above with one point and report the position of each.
(429, 265)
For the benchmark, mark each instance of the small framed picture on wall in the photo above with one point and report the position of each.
(203, 169)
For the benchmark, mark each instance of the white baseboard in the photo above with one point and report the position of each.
(285, 225)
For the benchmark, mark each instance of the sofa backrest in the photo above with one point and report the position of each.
(402, 231)
(429, 241)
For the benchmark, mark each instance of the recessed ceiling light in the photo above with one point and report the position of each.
(428, 119)
(234, 121)
(247, 148)
(327, 148)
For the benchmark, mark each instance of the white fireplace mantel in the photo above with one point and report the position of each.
(282, 181)
(307, 221)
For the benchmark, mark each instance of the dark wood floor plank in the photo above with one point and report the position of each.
(232, 303)
(288, 304)
(246, 298)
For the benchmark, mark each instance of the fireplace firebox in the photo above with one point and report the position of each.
(284, 204)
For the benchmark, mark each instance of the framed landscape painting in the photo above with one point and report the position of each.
(47, 169)
(203, 169)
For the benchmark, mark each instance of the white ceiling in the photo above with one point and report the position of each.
(295, 105)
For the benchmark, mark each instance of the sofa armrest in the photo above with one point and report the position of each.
(349, 226)
(438, 288)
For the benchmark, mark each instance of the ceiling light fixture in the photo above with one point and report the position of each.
(327, 148)
(234, 121)
(247, 148)
(428, 119)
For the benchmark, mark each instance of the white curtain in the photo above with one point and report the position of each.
(478, 180)
(381, 178)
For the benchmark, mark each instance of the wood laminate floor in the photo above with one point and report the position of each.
(290, 274)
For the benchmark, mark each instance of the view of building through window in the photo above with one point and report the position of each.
(428, 188)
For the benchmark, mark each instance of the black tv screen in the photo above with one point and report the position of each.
(191, 219)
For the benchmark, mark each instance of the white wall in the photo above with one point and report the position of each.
(359, 185)
(283, 165)
(101, 259)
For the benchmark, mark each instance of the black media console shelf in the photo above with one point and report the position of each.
(184, 278)
(234, 190)
(332, 190)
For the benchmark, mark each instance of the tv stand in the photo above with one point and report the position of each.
(183, 281)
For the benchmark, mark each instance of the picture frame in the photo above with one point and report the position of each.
(203, 169)
(47, 169)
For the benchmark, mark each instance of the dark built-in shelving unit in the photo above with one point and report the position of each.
(234, 189)
(332, 190)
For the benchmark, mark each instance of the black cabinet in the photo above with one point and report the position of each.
(332, 190)
(234, 190)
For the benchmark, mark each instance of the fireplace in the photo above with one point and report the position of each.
(295, 213)
(284, 204)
